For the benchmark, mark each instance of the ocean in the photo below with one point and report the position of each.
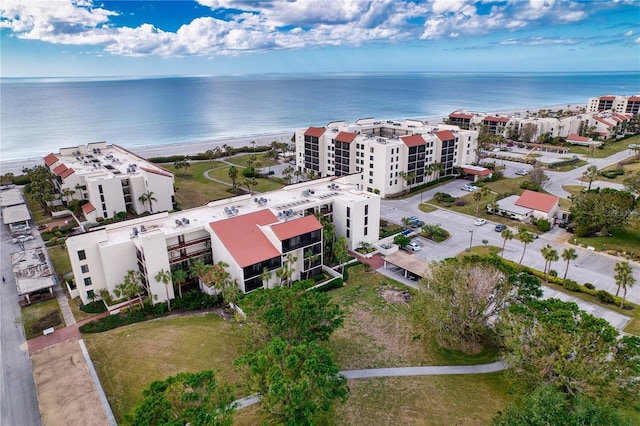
(38, 116)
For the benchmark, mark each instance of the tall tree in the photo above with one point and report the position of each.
(479, 195)
(265, 276)
(233, 175)
(590, 173)
(525, 237)
(537, 176)
(179, 277)
(601, 210)
(548, 341)
(340, 252)
(457, 301)
(568, 254)
(148, 197)
(130, 287)
(164, 277)
(210, 155)
(550, 255)
(196, 399)
(632, 183)
(624, 278)
(506, 234)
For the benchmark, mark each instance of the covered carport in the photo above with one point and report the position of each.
(14, 215)
(33, 273)
(412, 267)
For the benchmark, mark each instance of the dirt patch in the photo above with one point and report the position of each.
(66, 392)
(396, 296)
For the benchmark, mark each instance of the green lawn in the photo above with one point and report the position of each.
(60, 260)
(40, 316)
(628, 170)
(607, 150)
(376, 333)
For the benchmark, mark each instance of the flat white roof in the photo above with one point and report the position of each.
(11, 197)
(13, 214)
(286, 203)
(32, 271)
(509, 204)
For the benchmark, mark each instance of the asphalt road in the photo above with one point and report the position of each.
(590, 266)
(18, 402)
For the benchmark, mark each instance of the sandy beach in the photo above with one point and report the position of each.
(191, 148)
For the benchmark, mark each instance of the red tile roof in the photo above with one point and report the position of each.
(459, 115)
(607, 98)
(578, 138)
(67, 173)
(480, 172)
(445, 135)
(292, 228)
(59, 170)
(50, 159)
(634, 99)
(497, 119)
(413, 140)
(602, 120)
(537, 201)
(315, 131)
(158, 172)
(346, 137)
(88, 208)
(243, 238)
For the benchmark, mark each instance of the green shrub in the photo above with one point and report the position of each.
(589, 286)
(527, 184)
(612, 174)
(543, 225)
(443, 197)
(50, 319)
(571, 285)
(96, 307)
(249, 172)
(605, 297)
(568, 162)
(553, 273)
(113, 321)
(195, 300)
(334, 283)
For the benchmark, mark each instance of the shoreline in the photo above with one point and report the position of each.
(195, 147)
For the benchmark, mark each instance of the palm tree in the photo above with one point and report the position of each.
(210, 155)
(591, 173)
(147, 197)
(525, 237)
(265, 276)
(233, 175)
(506, 234)
(568, 254)
(550, 255)
(624, 278)
(408, 178)
(165, 278)
(179, 277)
(479, 195)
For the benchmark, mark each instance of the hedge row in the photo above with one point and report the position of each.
(568, 162)
(202, 156)
(612, 174)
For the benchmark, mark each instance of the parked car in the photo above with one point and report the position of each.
(22, 239)
(480, 222)
(522, 146)
(522, 172)
(413, 246)
(469, 187)
(500, 227)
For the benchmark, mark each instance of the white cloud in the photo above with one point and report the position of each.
(282, 24)
(540, 41)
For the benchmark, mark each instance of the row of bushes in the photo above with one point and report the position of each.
(568, 162)
(190, 301)
(201, 156)
(611, 174)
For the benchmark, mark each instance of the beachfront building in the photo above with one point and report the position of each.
(615, 103)
(273, 230)
(389, 157)
(110, 179)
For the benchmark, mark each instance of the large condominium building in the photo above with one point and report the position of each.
(248, 233)
(618, 104)
(112, 180)
(389, 157)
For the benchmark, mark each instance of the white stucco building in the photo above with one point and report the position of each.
(382, 152)
(112, 179)
(249, 233)
(615, 103)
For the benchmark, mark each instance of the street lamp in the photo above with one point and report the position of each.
(470, 239)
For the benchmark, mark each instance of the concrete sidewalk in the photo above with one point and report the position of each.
(424, 371)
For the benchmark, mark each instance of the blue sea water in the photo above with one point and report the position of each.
(38, 116)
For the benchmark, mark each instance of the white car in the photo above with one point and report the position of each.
(522, 172)
(469, 188)
(22, 239)
(413, 246)
(480, 222)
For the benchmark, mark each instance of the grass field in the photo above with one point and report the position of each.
(60, 260)
(628, 170)
(376, 333)
(35, 312)
(608, 149)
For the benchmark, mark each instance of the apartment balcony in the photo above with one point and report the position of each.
(182, 257)
(188, 243)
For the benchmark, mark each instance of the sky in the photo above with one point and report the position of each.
(85, 38)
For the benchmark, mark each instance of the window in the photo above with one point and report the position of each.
(87, 281)
(348, 211)
(366, 230)
(85, 268)
(366, 209)
(82, 255)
